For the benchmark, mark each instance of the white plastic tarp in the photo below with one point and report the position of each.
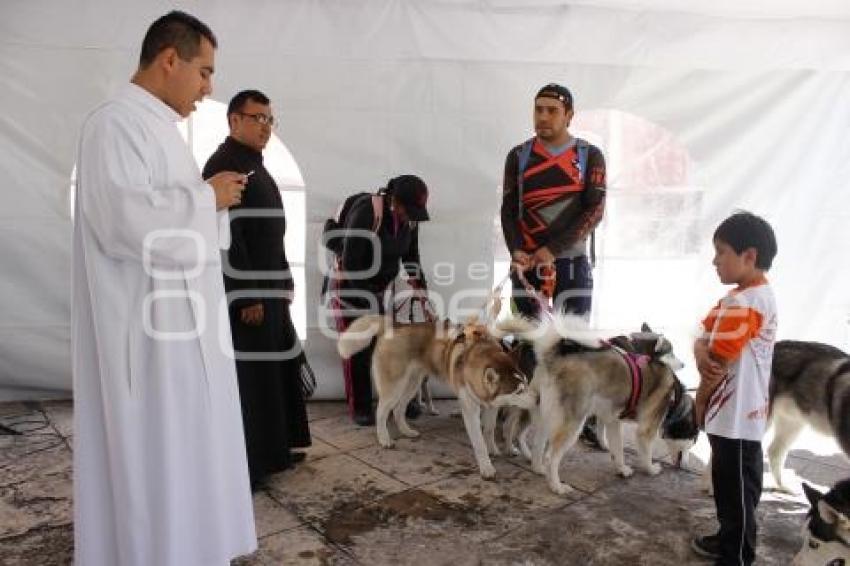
(700, 110)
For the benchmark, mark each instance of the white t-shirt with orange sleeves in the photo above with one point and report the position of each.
(741, 330)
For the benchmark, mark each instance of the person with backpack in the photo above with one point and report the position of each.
(373, 237)
(553, 197)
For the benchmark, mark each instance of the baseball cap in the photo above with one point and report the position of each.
(558, 92)
(412, 192)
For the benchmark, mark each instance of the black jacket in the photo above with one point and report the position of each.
(256, 243)
(399, 244)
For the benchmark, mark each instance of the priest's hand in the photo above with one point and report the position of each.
(253, 315)
(228, 187)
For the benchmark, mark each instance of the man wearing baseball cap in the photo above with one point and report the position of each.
(392, 215)
(553, 197)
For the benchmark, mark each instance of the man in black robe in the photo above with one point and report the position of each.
(259, 287)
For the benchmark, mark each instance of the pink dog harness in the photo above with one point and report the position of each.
(635, 363)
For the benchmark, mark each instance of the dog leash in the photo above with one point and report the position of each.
(542, 302)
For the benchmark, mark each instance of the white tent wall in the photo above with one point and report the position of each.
(756, 96)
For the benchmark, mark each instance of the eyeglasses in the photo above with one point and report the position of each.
(262, 119)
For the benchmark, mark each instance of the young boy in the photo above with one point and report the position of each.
(733, 357)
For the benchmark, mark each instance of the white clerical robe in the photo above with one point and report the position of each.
(160, 476)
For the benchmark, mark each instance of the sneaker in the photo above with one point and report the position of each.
(364, 419)
(707, 546)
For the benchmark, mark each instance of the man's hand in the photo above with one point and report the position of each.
(228, 187)
(253, 315)
(521, 260)
(543, 257)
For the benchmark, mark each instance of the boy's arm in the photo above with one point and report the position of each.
(711, 368)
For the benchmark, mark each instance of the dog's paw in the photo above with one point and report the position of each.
(385, 442)
(488, 471)
(410, 433)
(560, 488)
(625, 471)
(653, 469)
(538, 469)
(433, 412)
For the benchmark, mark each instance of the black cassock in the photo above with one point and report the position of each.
(273, 408)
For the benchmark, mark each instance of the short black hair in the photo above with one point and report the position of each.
(175, 29)
(237, 103)
(745, 230)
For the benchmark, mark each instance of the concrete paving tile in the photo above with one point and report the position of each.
(13, 409)
(417, 544)
(320, 449)
(650, 526)
(421, 460)
(60, 414)
(44, 546)
(798, 470)
(317, 410)
(583, 468)
(28, 458)
(14, 519)
(301, 546)
(271, 517)
(410, 527)
(340, 432)
(317, 489)
(503, 504)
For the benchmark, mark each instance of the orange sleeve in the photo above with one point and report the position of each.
(733, 327)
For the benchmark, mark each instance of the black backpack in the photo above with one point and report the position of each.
(332, 236)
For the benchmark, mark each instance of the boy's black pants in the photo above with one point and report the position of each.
(736, 474)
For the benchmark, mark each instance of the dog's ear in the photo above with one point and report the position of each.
(491, 377)
(829, 514)
(645, 328)
(812, 494)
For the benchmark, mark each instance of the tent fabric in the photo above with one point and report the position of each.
(701, 108)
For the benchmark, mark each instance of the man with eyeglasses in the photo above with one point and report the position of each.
(159, 455)
(259, 288)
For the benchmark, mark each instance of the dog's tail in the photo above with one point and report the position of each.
(838, 392)
(546, 335)
(359, 334)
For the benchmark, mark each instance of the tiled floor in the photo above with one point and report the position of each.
(422, 502)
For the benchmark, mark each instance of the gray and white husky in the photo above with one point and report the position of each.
(578, 375)
(826, 534)
(809, 384)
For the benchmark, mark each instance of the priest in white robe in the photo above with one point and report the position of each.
(160, 476)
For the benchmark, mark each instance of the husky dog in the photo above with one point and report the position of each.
(678, 429)
(470, 360)
(578, 375)
(809, 384)
(826, 534)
